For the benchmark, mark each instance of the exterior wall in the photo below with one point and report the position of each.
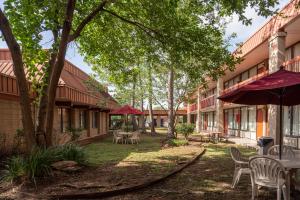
(10, 118)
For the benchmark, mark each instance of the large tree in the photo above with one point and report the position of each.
(106, 30)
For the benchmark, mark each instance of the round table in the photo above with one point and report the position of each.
(125, 135)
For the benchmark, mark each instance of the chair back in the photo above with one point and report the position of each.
(266, 171)
(136, 134)
(115, 134)
(287, 151)
(235, 154)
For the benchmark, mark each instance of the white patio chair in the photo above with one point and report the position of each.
(287, 151)
(241, 165)
(268, 172)
(135, 138)
(117, 137)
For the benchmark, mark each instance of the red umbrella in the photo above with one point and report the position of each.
(279, 88)
(126, 110)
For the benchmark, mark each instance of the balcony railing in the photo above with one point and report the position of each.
(193, 107)
(293, 64)
(249, 80)
(208, 101)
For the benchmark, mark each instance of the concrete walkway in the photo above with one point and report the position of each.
(243, 141)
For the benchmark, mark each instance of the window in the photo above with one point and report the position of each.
(253, 72)
(296, 121)
(244, 118)
(245, 75)
(291, 123)
(64, 118)
(95, 120)
(82, 119)
(215, 120)
(237, 118)
(252, 118)
(230, 119)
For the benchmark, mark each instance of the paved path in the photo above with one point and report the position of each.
(243, 141)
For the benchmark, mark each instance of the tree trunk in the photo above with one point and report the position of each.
(134, 124)
(43, 102)
(150, 101)
(18, 67)
(56, 71)
(142, 126)
(171, 129)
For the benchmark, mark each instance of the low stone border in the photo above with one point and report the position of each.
(97, 195)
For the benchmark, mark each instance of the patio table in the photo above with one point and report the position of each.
(125, 135)
(289, 165)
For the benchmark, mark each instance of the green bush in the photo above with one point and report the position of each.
(38, 162)
(71, 152)
(14, 169)
(185, 129)
(74, 133)
(177, 142)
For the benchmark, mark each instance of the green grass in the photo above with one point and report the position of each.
(106, 151)
(149, 152)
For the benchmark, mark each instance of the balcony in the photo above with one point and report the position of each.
(293, 64)
(208, 101)
(249, 80)
(193, 107)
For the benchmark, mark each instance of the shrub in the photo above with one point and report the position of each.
(185, 129)
(177, 142)
(71, 152)
(38, 163)
(14, 169)
(74, 133)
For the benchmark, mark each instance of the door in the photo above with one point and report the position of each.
(259, 123)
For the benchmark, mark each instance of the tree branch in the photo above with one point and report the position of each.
(86, 20)
(149, 31)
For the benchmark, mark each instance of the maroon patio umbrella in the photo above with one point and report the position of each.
(126, 110)
(279, 88)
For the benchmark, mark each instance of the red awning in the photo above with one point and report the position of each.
(126, 110)
(268, 90)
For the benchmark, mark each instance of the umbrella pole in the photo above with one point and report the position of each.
(280, 127)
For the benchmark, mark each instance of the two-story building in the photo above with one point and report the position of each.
(276, 43)
(78, 105)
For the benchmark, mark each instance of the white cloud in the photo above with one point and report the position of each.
(244, 32)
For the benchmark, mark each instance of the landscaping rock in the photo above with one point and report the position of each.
(66, 165)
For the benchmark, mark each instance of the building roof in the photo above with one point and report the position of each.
(286, 15)
(74, 86)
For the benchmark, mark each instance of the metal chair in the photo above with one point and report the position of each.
(270, 173)
(287, 151)
(241, 165)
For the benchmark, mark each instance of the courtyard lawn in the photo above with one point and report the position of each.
(113, 166)
(148, 153)
(209, 179)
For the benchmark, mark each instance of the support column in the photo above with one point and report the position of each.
(219, 106)
(276, 58)
(188, 113)
(88, 122)
(198, 121)
(158, 121)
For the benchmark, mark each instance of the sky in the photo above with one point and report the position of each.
(243, 32)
